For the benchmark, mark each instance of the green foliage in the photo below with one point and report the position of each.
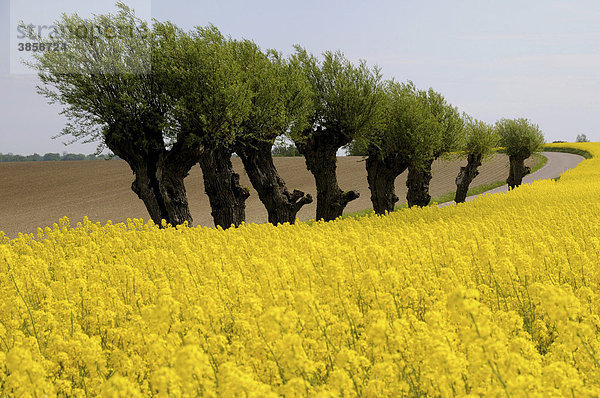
(418, 125)
(51, 156)
(200, 75)
(344, 97)
(285, 149)
(450, 134)
(103, 76)
(582, 138)
(480, 138)
(279, 92)
(404, 121)
(411, 128)
(73, 156)
(357, 147)
(9, 157)
(520, 137)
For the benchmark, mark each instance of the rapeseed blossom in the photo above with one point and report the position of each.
(496, 297)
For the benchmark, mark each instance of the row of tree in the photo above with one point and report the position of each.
(418, 127)
(164, 99)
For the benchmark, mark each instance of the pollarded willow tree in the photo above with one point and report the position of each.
(390, 145)
(113, 96)
(211, 98)
(521, 139)
(280, 104)
(345, 100)
(480, 141)
(447, 136)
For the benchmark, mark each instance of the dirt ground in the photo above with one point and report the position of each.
(37, 194)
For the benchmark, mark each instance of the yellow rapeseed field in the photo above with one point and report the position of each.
(497, 297)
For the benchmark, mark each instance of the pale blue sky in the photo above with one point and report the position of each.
(492, 59)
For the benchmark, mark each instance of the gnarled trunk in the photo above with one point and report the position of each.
(517, 171)
(381, 175)
(466, 175)
(320, 155)
(222, 185)
(282, 206)
(162, 192)
(418, 185)
(158, 179)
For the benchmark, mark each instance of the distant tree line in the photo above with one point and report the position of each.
(207, 97)
(283, 149)
(9, 157)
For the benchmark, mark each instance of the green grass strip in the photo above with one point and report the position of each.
(575, 151)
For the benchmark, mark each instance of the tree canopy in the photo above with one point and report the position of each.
(280, 97)
(449, 134)
(480, 138)
(103, 79)
(407, 126)
(345, 96)
(201, 76)
(418, 124)
(520, 137)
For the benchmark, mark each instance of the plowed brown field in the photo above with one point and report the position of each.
(37, 194)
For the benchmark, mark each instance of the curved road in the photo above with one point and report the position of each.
(558, 162)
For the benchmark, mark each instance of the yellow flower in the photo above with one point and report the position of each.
(494, 297)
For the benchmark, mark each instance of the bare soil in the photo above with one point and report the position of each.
(38, 194)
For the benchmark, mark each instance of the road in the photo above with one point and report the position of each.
(558, 162)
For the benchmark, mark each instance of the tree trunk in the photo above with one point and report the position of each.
(381, 175)
(320, 155)
(466, 175)
(418, 185)
(282, 206)
(222, 185)
(517, 171)
(163, 193)
(146, 187)
(158, 180)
